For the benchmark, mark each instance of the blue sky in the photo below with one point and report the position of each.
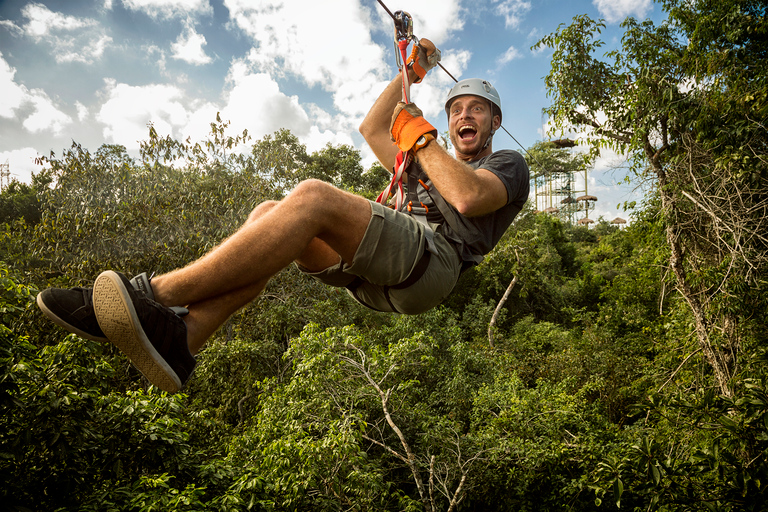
(100, 71)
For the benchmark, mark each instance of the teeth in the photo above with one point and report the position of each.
(465, 128)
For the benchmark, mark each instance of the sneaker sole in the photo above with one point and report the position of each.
(62, 323)
(118, 319)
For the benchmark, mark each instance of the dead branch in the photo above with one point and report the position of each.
(500, 305)
(384, 395)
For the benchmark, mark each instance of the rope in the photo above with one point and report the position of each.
(395, 187)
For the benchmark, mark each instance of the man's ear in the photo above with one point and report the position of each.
(496, 122)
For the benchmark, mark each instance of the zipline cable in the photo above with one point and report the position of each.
(455, 80)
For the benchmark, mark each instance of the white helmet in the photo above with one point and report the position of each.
(474, 87)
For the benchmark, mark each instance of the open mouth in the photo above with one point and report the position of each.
(467, 133)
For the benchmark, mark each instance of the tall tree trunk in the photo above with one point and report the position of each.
(720, 360)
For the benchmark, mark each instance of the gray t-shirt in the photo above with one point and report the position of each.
(477, 236)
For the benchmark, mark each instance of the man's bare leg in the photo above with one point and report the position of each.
(315, 225)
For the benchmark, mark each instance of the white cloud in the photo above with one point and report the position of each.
(317, 139)
(71, 39)
(91, 50)
(199, 120)
(456, 62)
(298, 40)
(431, 100)
(189, 47)
(41, 21)
(615, 11)
(511, 54)
(21, 163)
(16, 98)
(255, 103)
(82, 111)
(129, 110)
(513, 11)
(157, 54)
(169, 8)
(13, 94)
(46, 117)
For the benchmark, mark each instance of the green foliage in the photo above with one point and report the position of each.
(686, 100)
(21, 201)
(158, 217)
(594, 396)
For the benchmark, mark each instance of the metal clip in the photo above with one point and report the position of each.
(403, 26)
(403, 33)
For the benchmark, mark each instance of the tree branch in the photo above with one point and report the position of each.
(500, 305)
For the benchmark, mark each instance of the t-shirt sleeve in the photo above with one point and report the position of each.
(510, 167)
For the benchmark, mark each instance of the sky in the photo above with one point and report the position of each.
(101, 71)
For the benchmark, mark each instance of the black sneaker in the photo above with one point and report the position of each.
(153, 336)
(72, 309)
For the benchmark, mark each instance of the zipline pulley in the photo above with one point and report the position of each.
(403, 34)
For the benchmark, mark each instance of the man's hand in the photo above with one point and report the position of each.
(410, 131)
(424, 57)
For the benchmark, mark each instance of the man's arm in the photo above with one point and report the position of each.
(375, 126)
(472, 192)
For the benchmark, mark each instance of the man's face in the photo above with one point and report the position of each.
(470, 121)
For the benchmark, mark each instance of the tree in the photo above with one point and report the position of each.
(340, 166)
(22, 201)
(687, 101)
(281, 159)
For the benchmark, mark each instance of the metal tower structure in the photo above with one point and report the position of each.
(557, 194)
(5, 175)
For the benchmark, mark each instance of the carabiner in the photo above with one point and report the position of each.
(403, 34)
(403, 26)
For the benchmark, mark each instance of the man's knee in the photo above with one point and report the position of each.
(260, 210)
(317, 196)
(314, 188)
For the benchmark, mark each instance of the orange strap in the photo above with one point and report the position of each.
(414, 61)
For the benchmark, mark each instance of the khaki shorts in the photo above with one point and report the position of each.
(390, 249)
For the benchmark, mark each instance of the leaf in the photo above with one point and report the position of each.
(618, 490)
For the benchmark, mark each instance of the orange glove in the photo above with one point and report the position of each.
(424, 57)
(410, 131)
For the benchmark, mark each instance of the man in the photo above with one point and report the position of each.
(389, 260)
